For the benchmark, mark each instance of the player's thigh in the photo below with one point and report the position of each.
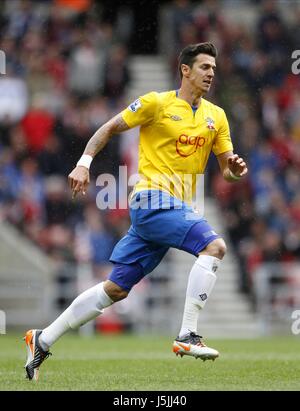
(200, 237)
(133, 249)
(166, 224)
(172, 223)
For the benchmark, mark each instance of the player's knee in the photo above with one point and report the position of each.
(114, 291)
(217, 248)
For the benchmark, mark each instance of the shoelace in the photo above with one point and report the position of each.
(39, 357)
(47, 355)
(42, 356)
(197, 339)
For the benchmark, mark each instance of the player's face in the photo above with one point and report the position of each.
(202, 72)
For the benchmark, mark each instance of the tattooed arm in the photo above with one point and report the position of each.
(104, 133)
(79, 178)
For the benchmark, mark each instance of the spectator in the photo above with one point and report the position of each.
(13, 97)
(86, 69)
(37, 125)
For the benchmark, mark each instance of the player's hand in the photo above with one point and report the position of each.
(79, 180)
(237, 165)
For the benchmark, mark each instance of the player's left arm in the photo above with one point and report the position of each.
(233, 167)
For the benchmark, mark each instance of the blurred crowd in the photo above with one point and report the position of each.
(255, 85)
(67, 74)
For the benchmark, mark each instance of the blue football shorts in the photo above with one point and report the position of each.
(159, 221)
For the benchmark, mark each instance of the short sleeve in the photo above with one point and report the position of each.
(142, 111)
(222, 141)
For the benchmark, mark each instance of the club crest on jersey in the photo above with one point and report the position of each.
(135, 106)
(210, 123)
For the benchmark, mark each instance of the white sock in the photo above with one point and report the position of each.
(201, 281)
(84, 308)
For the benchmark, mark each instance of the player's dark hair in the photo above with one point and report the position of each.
(189, 53)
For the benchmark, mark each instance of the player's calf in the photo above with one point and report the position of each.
(114, 291)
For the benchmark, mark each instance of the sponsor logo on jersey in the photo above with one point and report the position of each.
(188, 145)
(135, 106)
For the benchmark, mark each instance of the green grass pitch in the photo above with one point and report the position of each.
(140, 363)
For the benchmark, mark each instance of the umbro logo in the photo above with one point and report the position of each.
(214, 267)
(175, 118)
(203, 296)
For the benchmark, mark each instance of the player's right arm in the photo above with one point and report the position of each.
(141, 112)
(79, 178)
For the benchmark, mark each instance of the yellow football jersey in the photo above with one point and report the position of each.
(175, 141)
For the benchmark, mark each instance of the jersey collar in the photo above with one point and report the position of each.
(194, 108)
